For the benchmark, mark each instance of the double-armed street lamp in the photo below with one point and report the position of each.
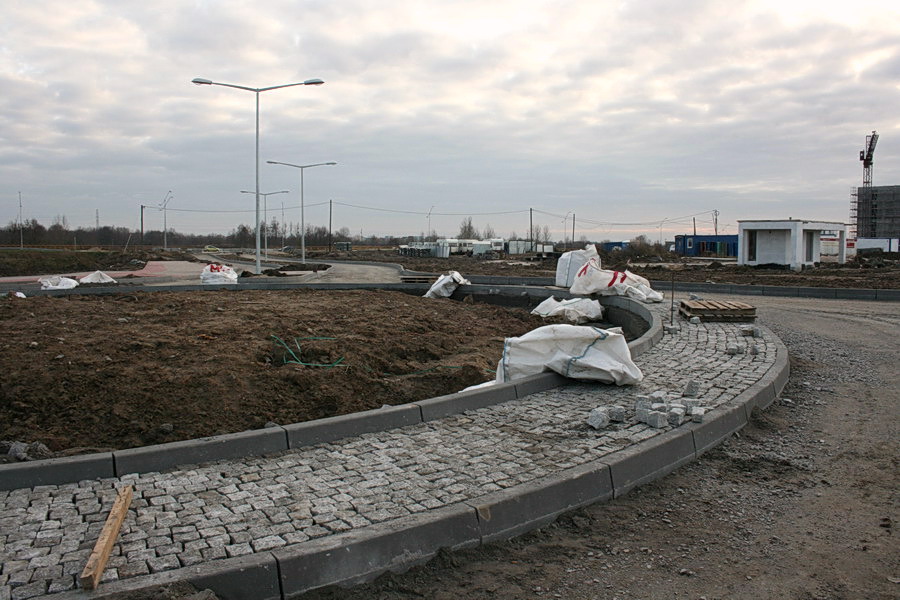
(302, 218)
(266, 212)
(201, 81)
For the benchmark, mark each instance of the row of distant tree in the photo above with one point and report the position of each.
(33, 233)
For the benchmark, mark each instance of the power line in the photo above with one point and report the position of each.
(201, 210)
(444, 214)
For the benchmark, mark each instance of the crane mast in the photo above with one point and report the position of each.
(867, 156)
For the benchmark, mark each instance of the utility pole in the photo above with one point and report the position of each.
(97, 219)
(695, 225)
(21, 237)
(531, 228)
(716, 221)
(573, 230)
(142, 224)
(329, 227)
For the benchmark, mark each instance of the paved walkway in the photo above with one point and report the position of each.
(237, 508)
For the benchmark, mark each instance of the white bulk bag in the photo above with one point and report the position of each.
(55, 282)
(446, 285)
(97, 277)
(575, 310)
(570, 262)
(217, 274)
(574, 351)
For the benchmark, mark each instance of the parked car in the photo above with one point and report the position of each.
(211, 249)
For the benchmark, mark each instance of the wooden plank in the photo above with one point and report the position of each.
(96, 563)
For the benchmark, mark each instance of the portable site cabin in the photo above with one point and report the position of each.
(707, 245)
(795, 243)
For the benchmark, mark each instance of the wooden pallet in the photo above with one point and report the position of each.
(709, 310)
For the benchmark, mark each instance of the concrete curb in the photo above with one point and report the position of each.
(649, 460)
(361, 555)
(257, 442)
(254, 576)
(203, 450)
(54, 471)
(508, 513)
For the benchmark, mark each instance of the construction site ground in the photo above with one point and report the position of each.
(801, 504)
(83, 373)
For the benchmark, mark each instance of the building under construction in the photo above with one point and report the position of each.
(878, 211)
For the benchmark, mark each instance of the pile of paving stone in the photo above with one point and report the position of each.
(657, 409)
(11, 451)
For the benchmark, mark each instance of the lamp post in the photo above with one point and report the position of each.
(201, 81)
(165, 202)
(302, 219)
(265, 212)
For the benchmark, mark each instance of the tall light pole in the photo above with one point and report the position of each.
(302, 218)
(201, 81)
(266, 212)
(163, 205)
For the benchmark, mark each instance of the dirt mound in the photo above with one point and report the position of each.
(57, 262)
(130, 370)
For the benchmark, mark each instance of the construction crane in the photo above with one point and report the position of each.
(867, 156)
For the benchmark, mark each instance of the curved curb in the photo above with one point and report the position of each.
(160, 457)
(361, 555)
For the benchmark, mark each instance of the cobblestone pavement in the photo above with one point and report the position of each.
(239, 507)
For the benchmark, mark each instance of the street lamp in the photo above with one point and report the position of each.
(266, 212)
(165, 201)
(201, 81)
(302, 220)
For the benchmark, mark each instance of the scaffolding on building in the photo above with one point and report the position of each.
(877, 211)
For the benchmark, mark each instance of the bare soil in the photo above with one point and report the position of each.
(851, 275)
(82, 373)
(58, 262)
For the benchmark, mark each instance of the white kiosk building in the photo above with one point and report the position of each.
(793, 242)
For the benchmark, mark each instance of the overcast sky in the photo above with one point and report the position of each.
(633, 115)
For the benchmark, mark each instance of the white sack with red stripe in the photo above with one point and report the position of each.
(575, 351)
(591, 279)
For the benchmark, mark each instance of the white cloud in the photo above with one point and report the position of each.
(564, 106)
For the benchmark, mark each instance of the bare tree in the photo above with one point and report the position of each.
(467, 230)
(544, 234)
(488, 232)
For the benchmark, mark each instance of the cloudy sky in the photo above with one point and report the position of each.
(633, 115)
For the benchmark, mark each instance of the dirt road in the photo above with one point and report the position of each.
(801, 505)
